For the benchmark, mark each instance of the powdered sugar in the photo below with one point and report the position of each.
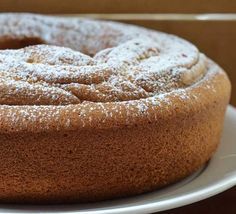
(125, 62)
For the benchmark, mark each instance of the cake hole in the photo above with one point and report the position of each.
(10, 43)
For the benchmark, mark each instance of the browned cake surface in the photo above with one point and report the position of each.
(101, 110)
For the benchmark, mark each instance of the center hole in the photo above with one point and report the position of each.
(10, 43)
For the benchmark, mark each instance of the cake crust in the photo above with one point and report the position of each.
(73, 149)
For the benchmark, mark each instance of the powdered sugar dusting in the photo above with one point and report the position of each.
(111, 71)
(110, 62)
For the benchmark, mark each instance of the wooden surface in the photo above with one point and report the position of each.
(119, 6)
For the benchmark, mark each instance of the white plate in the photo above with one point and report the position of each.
(218, 175)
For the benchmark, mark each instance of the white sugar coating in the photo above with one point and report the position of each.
(87, 67)
(108, 62)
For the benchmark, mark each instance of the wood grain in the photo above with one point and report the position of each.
(119, 6)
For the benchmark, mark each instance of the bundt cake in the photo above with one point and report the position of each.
(94, 110)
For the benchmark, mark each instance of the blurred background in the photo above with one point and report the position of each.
(210, 25)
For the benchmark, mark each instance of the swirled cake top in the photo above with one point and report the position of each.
(82, 60)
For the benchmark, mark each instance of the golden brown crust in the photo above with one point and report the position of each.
(97, 161)
(104, 115)
(94, 151)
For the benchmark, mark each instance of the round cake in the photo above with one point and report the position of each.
(96, 110)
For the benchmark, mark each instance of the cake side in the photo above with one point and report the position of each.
(97, 163)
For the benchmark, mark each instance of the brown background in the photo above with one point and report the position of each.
(216, 37)
(120, 6)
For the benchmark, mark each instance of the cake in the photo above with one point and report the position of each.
(95, 110)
